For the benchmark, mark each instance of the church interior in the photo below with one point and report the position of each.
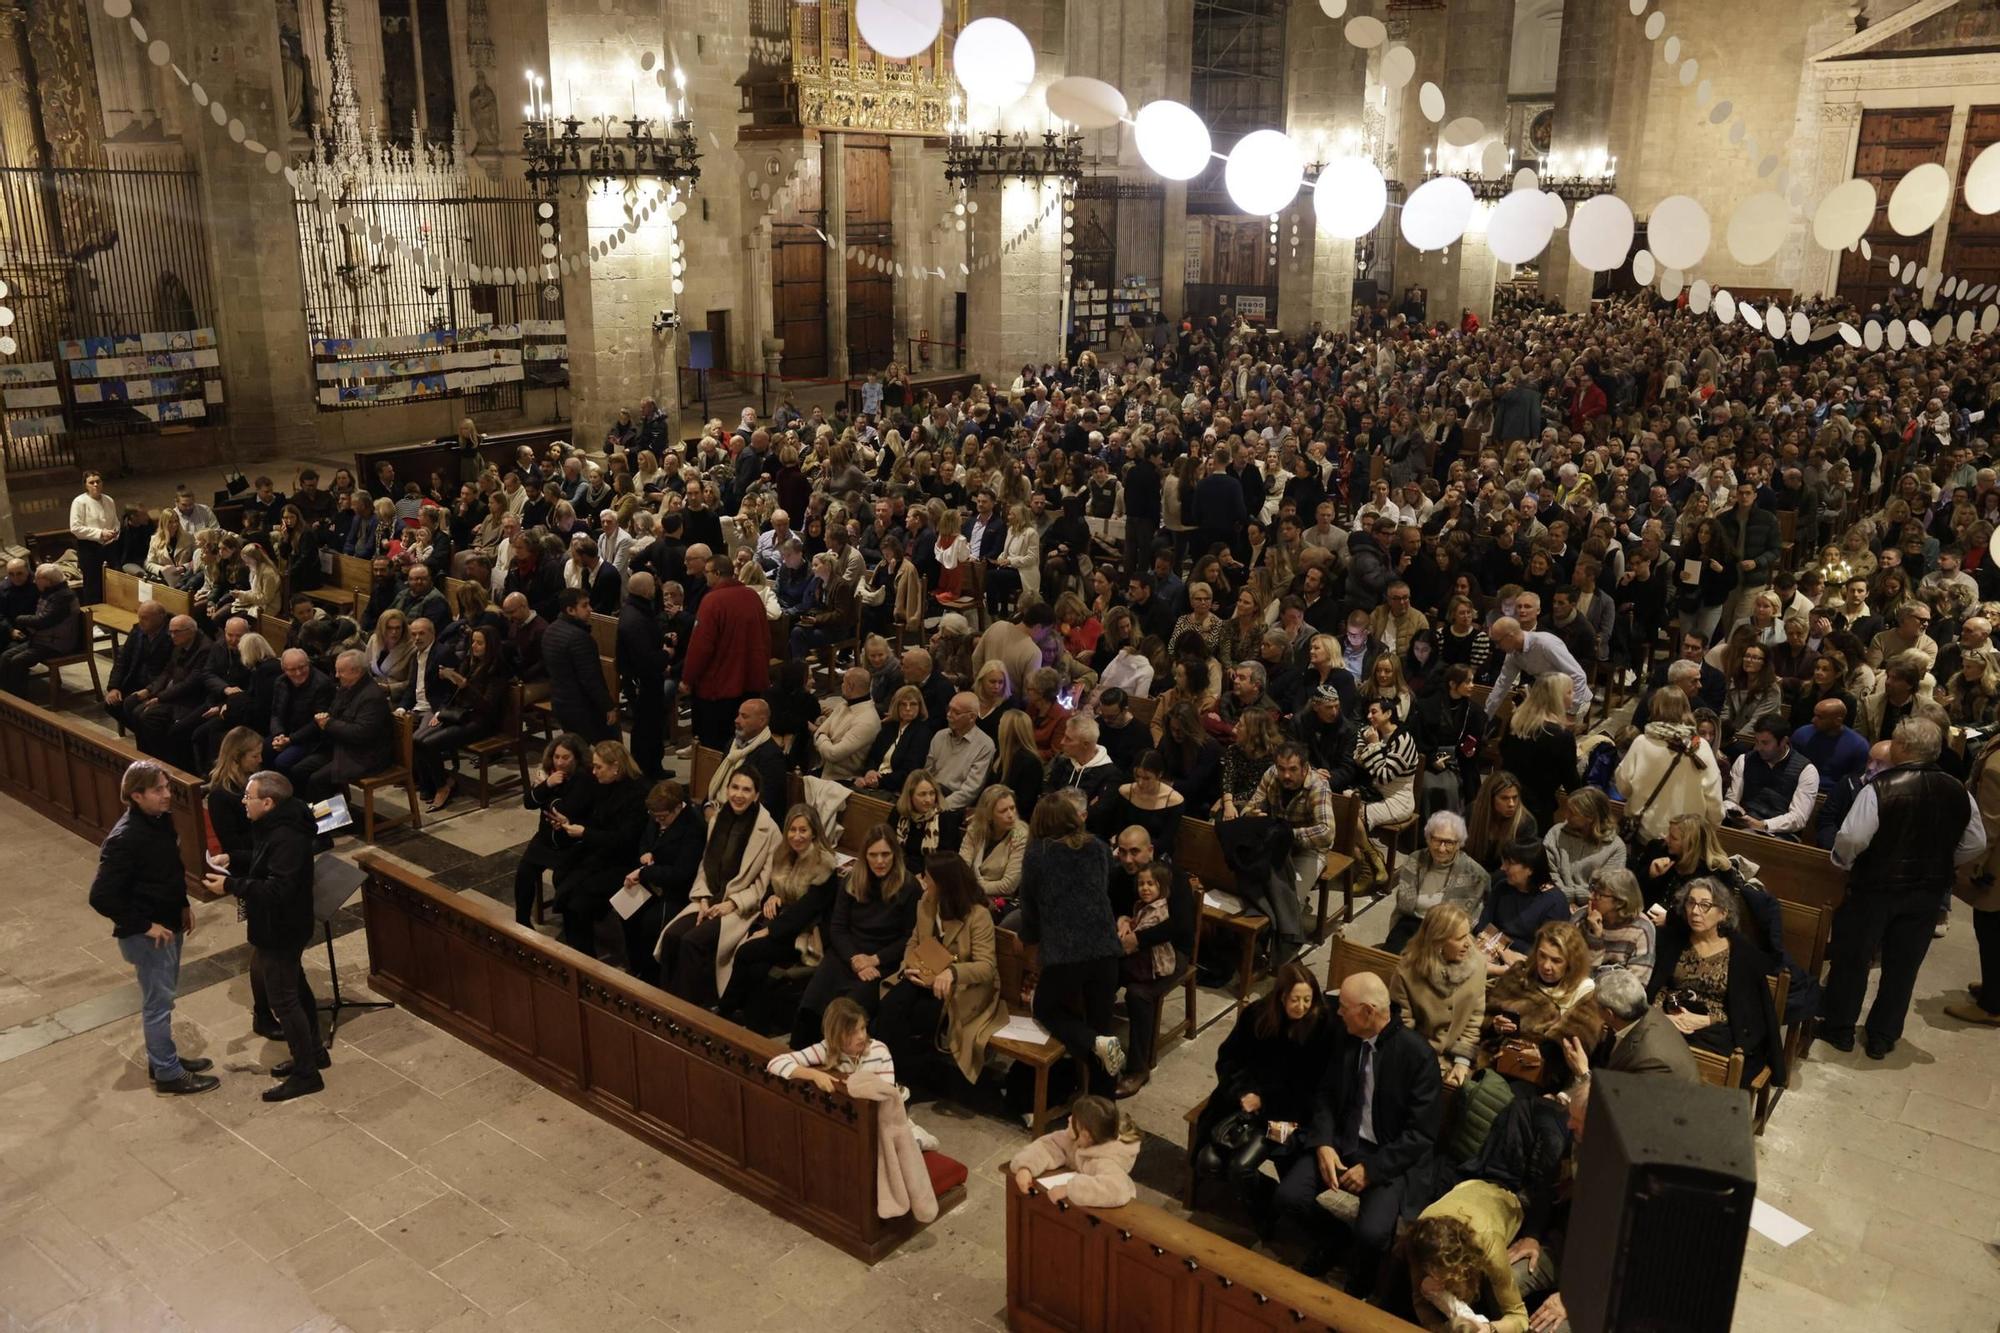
(412, 338)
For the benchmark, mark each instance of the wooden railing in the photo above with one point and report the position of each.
(1072, 1269)
(70, 770)
(676, 1076)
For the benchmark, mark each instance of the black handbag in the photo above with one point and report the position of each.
(1235, 1132)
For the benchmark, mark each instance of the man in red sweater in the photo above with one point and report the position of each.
(728, 656)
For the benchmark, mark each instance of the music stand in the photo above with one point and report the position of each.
(335, 882)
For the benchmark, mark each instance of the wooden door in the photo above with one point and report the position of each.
(718, 341)
(871, 293)
(1893, 140)
(798, 278)
(1972, 248)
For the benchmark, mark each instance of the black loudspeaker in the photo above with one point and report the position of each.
(1665, 1177)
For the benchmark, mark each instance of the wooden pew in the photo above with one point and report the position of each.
(1198, 853)
(1016, 977)
(401, 772)
(1072, 1269)
(668, 1073)
(1346, 958)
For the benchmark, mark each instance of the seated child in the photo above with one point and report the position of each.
(844, 1048)
(1100, 1146)
(1147, 964)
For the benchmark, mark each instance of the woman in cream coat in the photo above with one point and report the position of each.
(728, 891)
(1022, 552)
(996, 838)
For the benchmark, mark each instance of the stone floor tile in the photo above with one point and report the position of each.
(233, 1288)
(390, 1294)
(338, 1250)
(441, 1230)
(130, 1306)
(504, 1271)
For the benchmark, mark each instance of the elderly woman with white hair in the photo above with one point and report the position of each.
(1440, 872)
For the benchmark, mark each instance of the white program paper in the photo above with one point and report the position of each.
(1777, 1226)
(628, 900)
(1022, 1028)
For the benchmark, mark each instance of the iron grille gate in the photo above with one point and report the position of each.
(93, 252)
(354, 288)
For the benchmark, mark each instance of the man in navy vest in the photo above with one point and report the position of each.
(1772, 785)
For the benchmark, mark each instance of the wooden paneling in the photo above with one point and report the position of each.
(798, 276)
(1084, 1270)
(675, 1076)
(871, 295)
(1972, 246)
(70, 771)
(1892, 141)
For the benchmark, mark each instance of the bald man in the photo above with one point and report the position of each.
(172, 703)
(752, 747)
(1375, 1118)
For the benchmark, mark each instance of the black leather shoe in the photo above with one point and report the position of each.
(283, 1069)
(1840, 1041)
(295, 1087)
(268, 1029)
(189, 1083)
(192, 1064)
(1878, 1049)
(1320, 1262)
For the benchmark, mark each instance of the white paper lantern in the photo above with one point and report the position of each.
(994, 62)
(1757, 228)
(1399, 66)
(1526, 179)
(1849, 334)
(1644, 266)
(1989, 319)
(1724, 306)
(1678, 231)
(1871, 336)
(1941, 329)
(1519, 228)
(1437, 212)
(1263, 172)
(1844, 214)
(1898, 335)
(1366, 32)
(1430, 100)
(1748, 314)
(898, 29)
(1349, 198)
(1670, 50)
(1965, 324)
(1867, 252)
(1801, 328)
(1700, 295)
(1670, 283)
(1171, 140)
(1690, 71)
(1090, 104)
(1600, 233)
(1333, 9)
(1982, 181)
(1638, 7)
(1559, 212)
(1656, 23)
(1920, 333)
(1493, 159)
(1919, 199)
(1463, 132)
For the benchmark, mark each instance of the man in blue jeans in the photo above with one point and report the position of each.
(140, 885)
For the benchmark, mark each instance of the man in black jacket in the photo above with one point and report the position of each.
(577, 692)
(141, 887)
(1375, 1118)
(356, 735)
(165, 713)
(642, 673)
(276, 894)
(142, 657)
(302, 693)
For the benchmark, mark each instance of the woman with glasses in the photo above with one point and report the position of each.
(1615, 926)
(1710, 979)
(1440, 873)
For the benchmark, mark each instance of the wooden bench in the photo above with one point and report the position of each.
(353, 579)
(118, 613)
(400, 773)
(85, 656)
(1197, 851)
(1721, 1071)
(506, 739)
(1346, 958)
(1016, 977)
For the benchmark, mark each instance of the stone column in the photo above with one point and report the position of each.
(1325, 80)
(1179, 46)
(833, 203)
(1585, 65)
(609, 304)
(252, 235)
(1477, 59)
(1014, 303)
(1425, 33)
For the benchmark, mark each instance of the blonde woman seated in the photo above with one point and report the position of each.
(1538, 997)
(996, 838)
(1583, 844)
(390, 652)
(1440, 985)
(775, 923)
(1615, 926)
(1441, 873)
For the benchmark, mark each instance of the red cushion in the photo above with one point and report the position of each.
(947, 1173)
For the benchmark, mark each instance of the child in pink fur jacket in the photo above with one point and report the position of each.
(1100, 1146)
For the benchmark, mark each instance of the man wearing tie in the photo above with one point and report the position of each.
(1376, 1116)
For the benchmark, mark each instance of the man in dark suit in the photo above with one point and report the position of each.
(17, 593)
(165, 713)
(302, 691)
(589, 571)
(1375, 1118)
(1638, 1038)
(355, 732)
(577, 692)
(141, 657)
(642, 673)
(276, 891)
(524, 639)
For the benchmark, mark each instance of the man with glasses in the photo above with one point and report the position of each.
(1901, 844)
(1910, 635)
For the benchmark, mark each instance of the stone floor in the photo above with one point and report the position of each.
(431, 1187)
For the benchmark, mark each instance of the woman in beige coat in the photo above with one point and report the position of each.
(728, 891)
(1440, 985)
(995, 840)
(957, 1008)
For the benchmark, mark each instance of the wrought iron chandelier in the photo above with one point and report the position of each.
(619, 151)
(1585, 178)
(1055, 154)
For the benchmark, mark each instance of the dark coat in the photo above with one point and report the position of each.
(293, 706)
(642, 661)
(617, 819)
(56, 627)
(231, 825)
(577, 693)
(277, 886)
(140, 658)
(140, 882)
(1409, 1100)
(361, 731)
(676, 852)
(1752, 1015)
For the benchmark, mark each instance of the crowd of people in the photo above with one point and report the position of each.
(1225, 579)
